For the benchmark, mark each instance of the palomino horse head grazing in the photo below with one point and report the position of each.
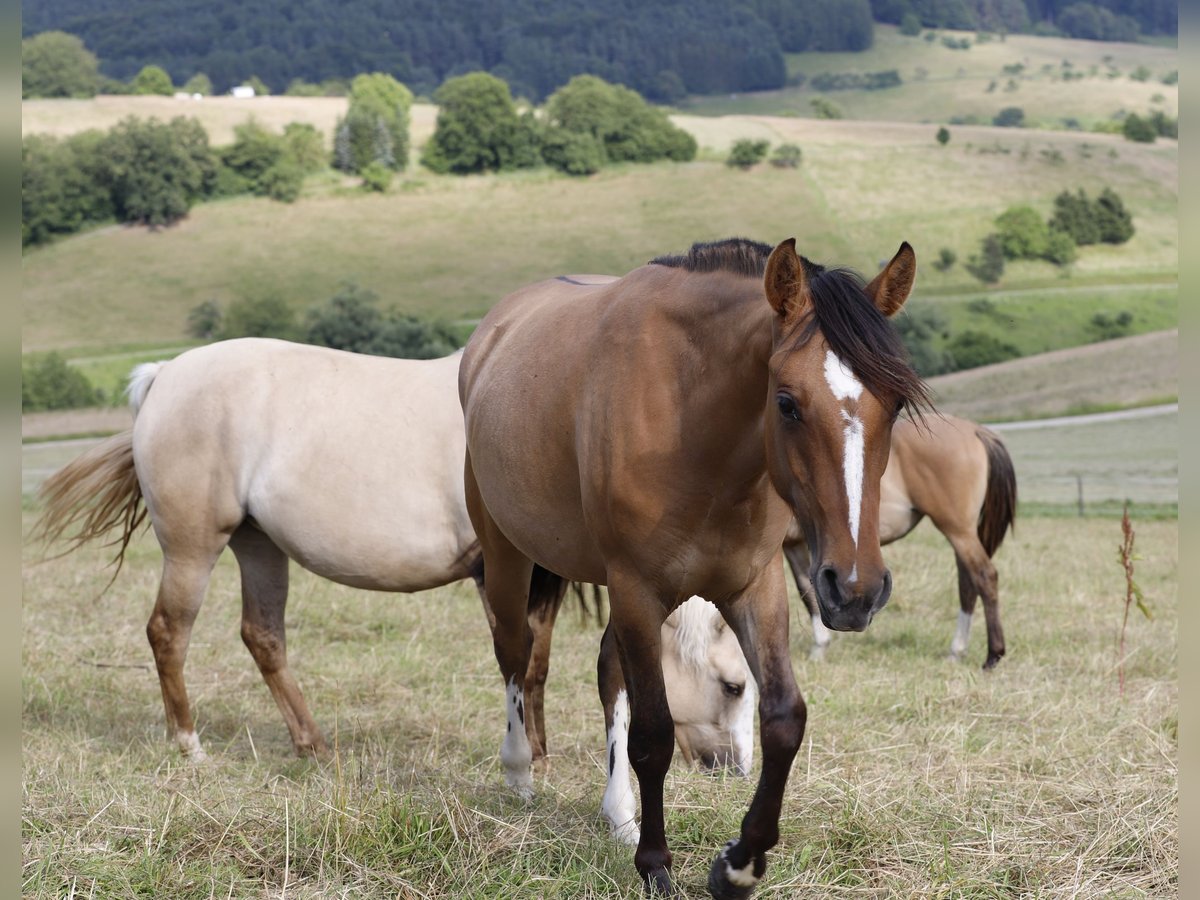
(657, 433)
(960, 475)
(709, 688)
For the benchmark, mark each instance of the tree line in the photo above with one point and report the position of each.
(1097, 20)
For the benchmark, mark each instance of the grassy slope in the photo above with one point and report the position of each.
(917, 777)
(451, 247)
(956, 81)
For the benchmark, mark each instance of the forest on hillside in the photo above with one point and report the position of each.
(664, 49)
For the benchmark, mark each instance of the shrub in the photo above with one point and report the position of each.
(352, 320)
(1073, 215)
(1104, 327)
(970, 349)
(1009, 117)
(50, 382)
(1023, 234)
(376, 177)
(1135, 128)
(824, 109)
(199, 84)
(204, 320)
(572, 152)
(302, 144)
(746, 153)
(254, 150)
(153, 80)
(260, 87)
(943, 135)
(267, 316)
(1060, 248)
(375, 127)
(57, 64)
(1164, 125)
(786, 156)
(1113, 221)
(910, 24)
(946, 260)
(478, 128)
(625, 125)
(156, 171)
(919, 328)
(988, 264)
(64, 185)
(282, 181)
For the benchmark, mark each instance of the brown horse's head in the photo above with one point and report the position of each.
(838, 379)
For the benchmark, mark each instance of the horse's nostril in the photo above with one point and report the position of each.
(829, 576)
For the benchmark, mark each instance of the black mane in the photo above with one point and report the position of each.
(855, 330)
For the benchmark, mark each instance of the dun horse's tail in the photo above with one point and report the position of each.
(999, 509)
(99, 490)
(547, 590)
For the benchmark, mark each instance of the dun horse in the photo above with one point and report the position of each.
(961, 476)
(657, 433)
(352, 466)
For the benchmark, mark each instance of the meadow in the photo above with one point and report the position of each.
(942, 84)
(917, 777)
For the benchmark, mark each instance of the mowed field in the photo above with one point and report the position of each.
(940, 84)
(917, 777)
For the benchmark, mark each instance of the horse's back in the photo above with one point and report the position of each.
(352, 464)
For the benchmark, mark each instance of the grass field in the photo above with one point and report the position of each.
(450, 247)
(941, 84)
(918, 777)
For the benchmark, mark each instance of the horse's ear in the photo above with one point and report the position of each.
(891, 287)
(784, 281)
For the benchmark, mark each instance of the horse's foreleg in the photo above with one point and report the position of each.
(798, 561)
(636, 619)
(264, 569)
(180, 594)
(618, 807)
(759, 618)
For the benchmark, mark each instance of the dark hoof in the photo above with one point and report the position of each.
(991, 661)
(658, 883)
(726, 882)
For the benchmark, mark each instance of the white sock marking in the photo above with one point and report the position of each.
(515, 752)
(821, 635)
(962, 634)
(618, 805)
(189, 746)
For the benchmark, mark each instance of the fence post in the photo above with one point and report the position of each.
(1079, 486)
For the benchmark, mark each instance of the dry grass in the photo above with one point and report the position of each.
(917, 778)
(1131, 371)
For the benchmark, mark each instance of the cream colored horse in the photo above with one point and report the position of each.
(352, 466)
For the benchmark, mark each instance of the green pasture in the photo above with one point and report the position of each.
(917, 776)
(940, 84)
(450, 247)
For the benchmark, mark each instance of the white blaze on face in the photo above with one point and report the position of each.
(848, 389)
(618, 805)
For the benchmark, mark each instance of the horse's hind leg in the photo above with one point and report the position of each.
(264, 570)
(180, 594)
(977, 578)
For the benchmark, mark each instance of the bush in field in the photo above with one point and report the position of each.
(1088, 221)
(970, 349)
(282, 182)
(1060, 248)
(352, 320)
(376, 177)
(50, 382)
(153, 80)
(266, 316)
(746, 153)
(1023, 234)
(626, 126)
(943, 135)
(303, 145)
(204, 320)
(375, 127)
(1104, 327)
(156, 171)
(910, 24)
(1009, 117)
(478, 128)
(1113, 220)
(199, 84)
(988, 264)
(64, 185)
(57, 64)
(572, 152)
(1164, 125)
(269, 164)
(920, 328)
(824, 109)
(1135, 128)
(946, 260)
(787, 156)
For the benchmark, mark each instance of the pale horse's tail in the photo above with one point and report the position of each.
(98, 490)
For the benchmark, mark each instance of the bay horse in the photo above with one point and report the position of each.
(961, 476)
(352, 466)
(657, 433)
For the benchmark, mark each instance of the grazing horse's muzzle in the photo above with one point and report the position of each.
(850, 608)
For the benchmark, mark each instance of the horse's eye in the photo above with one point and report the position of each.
(733, 690)
(787, 407)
